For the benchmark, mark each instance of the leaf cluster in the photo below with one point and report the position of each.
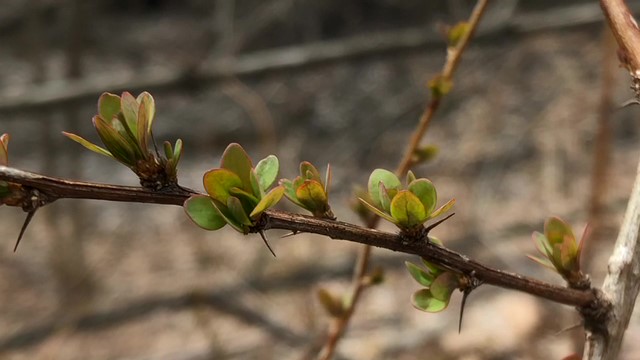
(124, 125)
(309, 191)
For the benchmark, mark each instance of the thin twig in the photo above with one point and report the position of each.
(358, 285)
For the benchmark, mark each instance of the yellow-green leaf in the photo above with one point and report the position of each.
(423, 300)
(130, 111)
(269, 200)
(423, 277)
(91, 146)
(443, 209)
(218, 183)
(150, 107)
(407, 209)
(108, 106)
(311, 194)
(267, 171)
(390, 181)
(426, 193)
(378, 212)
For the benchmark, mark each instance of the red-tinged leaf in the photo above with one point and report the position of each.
(423, 300)
(219, 182)
(267, 171)
(390, 181)
(114, 142)
(311, 194)
(426, 193)
(202, 212)
(237, 161)
(4, 150)
(443, 286)
(130, 111)
(143, 122)
(407, 209)
(309, 172)
(87, 144)
(108, 106)
(543, 261)
(443, 209)
(423, 277)
(378, 212)
(269, 200)
(148, 102)
(237, 211)
(327, 180)
(555, 230)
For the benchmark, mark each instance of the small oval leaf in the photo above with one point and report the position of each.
(203, 213)
(407, 209)
(267, 171)
(311, 194)
(426, 193)
(420, 275)
(236, 160)
(390, 181)
(108, 105)
(443, 286)
(422, 300)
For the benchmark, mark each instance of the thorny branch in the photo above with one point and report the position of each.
(52, 188)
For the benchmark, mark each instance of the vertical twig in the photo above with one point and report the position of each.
(454, 55)
(622, 283)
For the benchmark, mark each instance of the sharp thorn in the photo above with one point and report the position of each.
(432, 226)
(629, 103)
(24, 228)
(289, 234)
(465, 293)
(264, 238)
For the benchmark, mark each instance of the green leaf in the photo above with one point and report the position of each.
(108, 106)
(237, 211)
(91, 146)
(311, 194)
(309, 172)
(407, 209)
(443, 286)
(228, 216)
(385, 200)
(248, 198)
(411, 177)
(378, 212)
(130, 111)
(424, 278)
(203, 213)
(237, 161)
(168, 149)
(177, 151)
(434, 270)
(426, 193)
(219, 182)
(542, 244)
(267, 171)
(114, 142)
(423, 300)
(269, 200)
(443, 209)
(149, 104)
(290, 191)
(568, 256)
(390, 181)
(255, 185)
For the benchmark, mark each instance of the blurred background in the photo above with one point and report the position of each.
(528, 131)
